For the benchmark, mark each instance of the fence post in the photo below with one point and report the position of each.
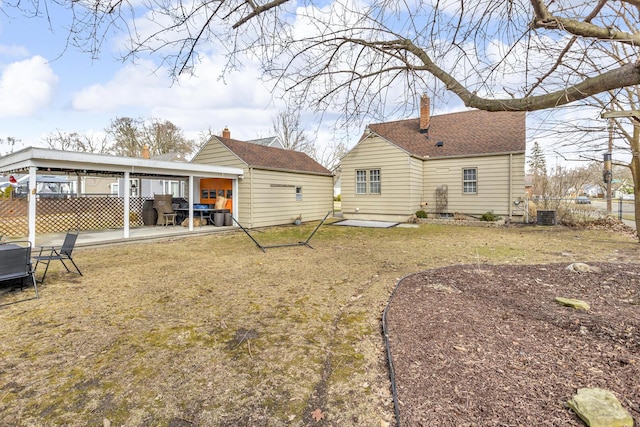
(620, 208)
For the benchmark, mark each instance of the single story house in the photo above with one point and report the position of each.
(277, 186)
(469, 162)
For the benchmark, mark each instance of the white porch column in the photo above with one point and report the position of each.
(191, 195)
(234, 199)
(32, 205)
(126, 205)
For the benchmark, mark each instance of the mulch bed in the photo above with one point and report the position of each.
(488, 345)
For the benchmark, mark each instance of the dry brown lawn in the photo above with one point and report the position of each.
(210, 331)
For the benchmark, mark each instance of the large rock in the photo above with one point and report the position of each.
(599, 408)
(580, 267)
(574, 303)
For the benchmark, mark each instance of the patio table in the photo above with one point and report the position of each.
(183, 213)
(9, 280)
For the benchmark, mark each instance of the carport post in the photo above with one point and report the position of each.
(234, 198)
(32, 204)
(191, 195)
(126, 205)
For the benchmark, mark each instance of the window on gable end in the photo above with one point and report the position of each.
(374, 181)
(361, 182)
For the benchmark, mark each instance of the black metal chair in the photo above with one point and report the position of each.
(15, 263)
(53, 253)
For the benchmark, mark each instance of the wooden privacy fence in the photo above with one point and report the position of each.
(61, 214)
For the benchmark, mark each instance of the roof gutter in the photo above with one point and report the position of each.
(462, 156)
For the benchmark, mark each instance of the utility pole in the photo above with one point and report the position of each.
(607, 173)
(634, 115)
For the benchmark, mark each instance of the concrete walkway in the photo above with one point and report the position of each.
(139, 234)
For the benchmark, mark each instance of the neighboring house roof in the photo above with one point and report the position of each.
(169, 157)
(255, 155)
(464, 133)
(272, 141)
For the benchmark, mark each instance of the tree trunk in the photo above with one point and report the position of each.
(635, 172)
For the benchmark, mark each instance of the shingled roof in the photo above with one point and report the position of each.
(255, 155)
(465, 133)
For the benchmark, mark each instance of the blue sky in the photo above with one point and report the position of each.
(45, 86)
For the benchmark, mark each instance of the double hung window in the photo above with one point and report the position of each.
(368, 181)
(470, 181)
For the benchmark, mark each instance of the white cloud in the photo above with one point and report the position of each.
(145, 85)
(133, 85)
(195, 103)
(25, 87)
(14, 50)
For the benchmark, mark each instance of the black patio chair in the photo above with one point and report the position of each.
(15, 263)
(53, 253)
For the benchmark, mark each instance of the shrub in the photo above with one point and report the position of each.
(421, 214)
(490, 216)
(6, 193)
(338, 198)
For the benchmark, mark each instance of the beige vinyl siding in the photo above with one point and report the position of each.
(401, 181)
(214, 153)
(98, 185)
(267, 197)
(496, 189)
(274, 197)
(415, 184)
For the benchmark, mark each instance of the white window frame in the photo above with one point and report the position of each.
(171, 187)
(298, 194)
(468, 181)
(361, 185)
(375, 181)
(369, 181)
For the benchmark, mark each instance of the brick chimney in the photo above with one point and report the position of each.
(146, 154)
(226, 133)
(425, 113)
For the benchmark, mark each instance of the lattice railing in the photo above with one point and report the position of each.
(58, 215)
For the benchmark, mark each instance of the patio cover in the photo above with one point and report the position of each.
(31, 160)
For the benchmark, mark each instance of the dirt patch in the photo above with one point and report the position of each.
(488, 345)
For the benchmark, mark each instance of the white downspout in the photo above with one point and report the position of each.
(250, 197)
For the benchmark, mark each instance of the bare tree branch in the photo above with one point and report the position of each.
(343, 53)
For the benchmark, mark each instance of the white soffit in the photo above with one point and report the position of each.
(66, 160)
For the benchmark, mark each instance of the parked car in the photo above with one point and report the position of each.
(583, 200)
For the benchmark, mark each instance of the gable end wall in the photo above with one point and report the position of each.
(268, 198)
(401, 181)
(494, 192)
